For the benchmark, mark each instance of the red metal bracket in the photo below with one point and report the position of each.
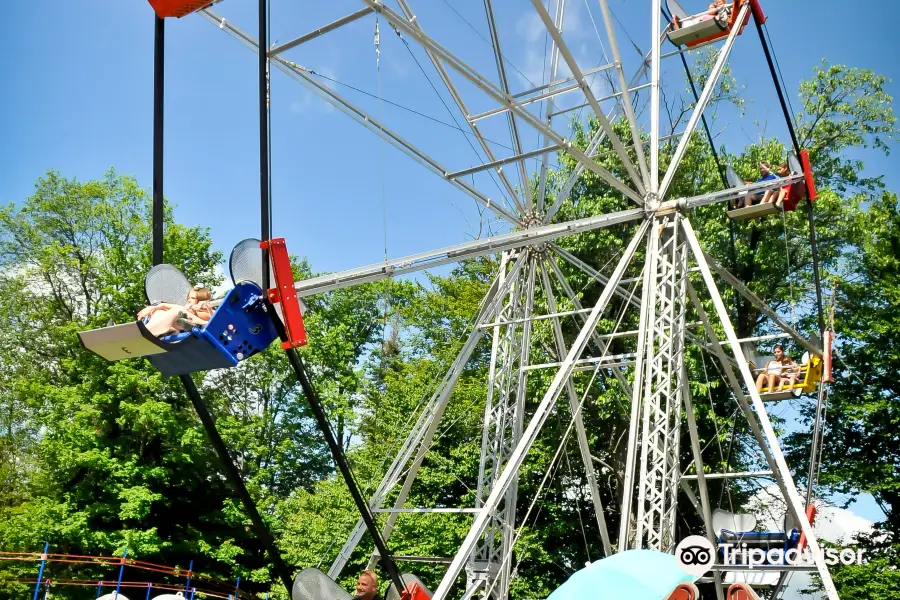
(284, 293)
(177, 8)
(811, 513)
(414, 592)
(807, 171)
(758, 15)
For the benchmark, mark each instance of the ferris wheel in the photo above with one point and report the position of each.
(662, 276)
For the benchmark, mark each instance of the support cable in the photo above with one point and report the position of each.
(158, 211)
(340, 459)
(760, 28)
(774, 70)
(452, 116)
(719, 167)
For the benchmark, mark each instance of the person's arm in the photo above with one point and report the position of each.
(149, 310)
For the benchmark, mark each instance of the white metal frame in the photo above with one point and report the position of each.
(530, 267)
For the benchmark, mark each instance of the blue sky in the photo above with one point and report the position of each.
(77, 97)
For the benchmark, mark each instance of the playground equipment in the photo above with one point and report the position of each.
(530, 267)
(142, 579)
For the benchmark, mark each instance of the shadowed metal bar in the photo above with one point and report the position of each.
(320, 31)
(497, 94)
(502, 161)
(426, 260)
(589, 94)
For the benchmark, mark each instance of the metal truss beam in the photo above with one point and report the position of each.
(559, 82)
(732, 193)
(705, 97)
(362, 117)
(554, 67)
(767, 435)
(741, 475)
(422, 433)
(503, 422)
(626, 95)
(655, 49)
(553, 93)
(592, 149)
(461, 105)
(511, 118)
(662, 387)
(503, 161)
(459, 252)
(320, 31)
(416, 33)
(541, 413)
(589, 94)
(632, 89)
(813, 346)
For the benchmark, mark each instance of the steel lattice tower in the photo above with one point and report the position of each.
(654, 377)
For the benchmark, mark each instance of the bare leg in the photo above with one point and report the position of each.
(781, 196)
(790, 381)
(772, 378)
(760, 382)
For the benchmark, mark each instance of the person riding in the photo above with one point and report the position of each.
(780, 370)
(765, 174)
(778, 195)
(165, 318)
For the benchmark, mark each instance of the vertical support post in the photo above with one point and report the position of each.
(264, 193)
(99, 589)
(121, 571)
(149, 587)
(193, 591)
(663, 382)
(158, 211)
(655, 57)
(187, 584)
(510, 471)
(503, 424)
(783, 474)
(37, 586)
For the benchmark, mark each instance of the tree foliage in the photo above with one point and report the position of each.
(97, 456)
